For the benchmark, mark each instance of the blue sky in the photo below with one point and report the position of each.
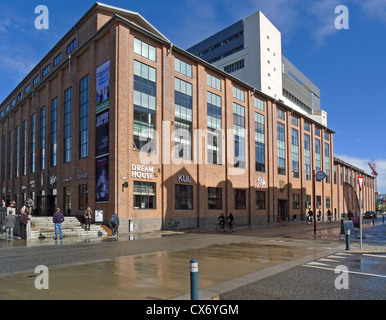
(348, 66)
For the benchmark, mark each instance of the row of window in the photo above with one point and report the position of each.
(17, 148)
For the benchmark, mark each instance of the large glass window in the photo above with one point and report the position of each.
(295, 153)
(144, 49)
(54, 132)
(327, 162)
(144, 106)
(260, 200)
(67, 145)
(144, 195)
(17, 151)
(183, 119)
(43, 138)
(239, 135)
(184, 197)
(83, 196)
(33, 144)
(182, 67)
(83, 117)
(281, 167)
(259, 142)
(24, 148)
(214, 128)
(317, 155)
(307, 157)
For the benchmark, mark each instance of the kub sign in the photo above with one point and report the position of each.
(360, 182)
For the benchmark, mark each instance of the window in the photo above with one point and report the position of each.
(182, 67)
(341, 175)
(214, 128)
(307, 157)
(240, 199)
(239, 94)
(10, 145)
(295, 121)
(327, 162)
(43, 138)
(260, 200)
(259, 104)
(334, 173)
(183, 119)
(239, 135)
(280, 114)
(144, 106)
(317, 132)
(24, 148)
(213, 82)
(234, 66)
(36, 80)
(317, 155)
(57, 59)
(3, 157)
(295, 153)
(54, 132)
(306, 126)
(28, 88)
(259, 142)
(184, 197)
(67, 145)
(17, 151)
(295, 201)
(281, 149)
(33, 144)
(308, 201)
(326, 136)
(144, 195)
(144, 49)
(83, 196)
(83, 117)
(71, 46)
(214, 198)
(20, 95)
(328, 202)
(46, 70)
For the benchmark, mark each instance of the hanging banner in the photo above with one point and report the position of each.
(102, 133)
(103, 87)
(102, 179)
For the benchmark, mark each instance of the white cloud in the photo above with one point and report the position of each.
(374, 8)
(363, 164)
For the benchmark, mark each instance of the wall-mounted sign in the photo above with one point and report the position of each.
(82, 176)
(53, 180)
(67, 179)
(184, 178)
(142, 172)
(260, 183)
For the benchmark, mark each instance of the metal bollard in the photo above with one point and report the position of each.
(348, 240)
(193, 279)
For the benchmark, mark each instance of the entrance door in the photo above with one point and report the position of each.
(67, 201)
(282, 209)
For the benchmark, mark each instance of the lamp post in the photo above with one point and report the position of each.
(320, 175)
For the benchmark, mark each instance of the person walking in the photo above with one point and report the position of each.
(23, 224)
(30, 205)
(58, 218)
(114, 223)
(10, 220)
(88, 216)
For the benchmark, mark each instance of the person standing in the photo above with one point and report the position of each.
(114, 223)
(23, 224)
(30, 205)
(88, 216)
(58, 218)
(10, 220)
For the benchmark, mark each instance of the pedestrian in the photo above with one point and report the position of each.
(58, 218)
(114, 223)
(87, 216)
(10, 220)
(3, 203)
(30, 205)
(23, 224)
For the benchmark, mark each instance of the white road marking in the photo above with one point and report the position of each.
(354, 272)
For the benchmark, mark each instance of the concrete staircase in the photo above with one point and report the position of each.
(71, 227)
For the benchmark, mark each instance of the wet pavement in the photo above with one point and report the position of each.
(155, 265)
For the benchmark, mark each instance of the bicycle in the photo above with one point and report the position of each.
(226, 227)
(174, 224)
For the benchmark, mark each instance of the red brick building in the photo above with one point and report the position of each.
(117, 118)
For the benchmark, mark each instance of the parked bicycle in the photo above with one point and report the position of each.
(226, 227)
(174, 224)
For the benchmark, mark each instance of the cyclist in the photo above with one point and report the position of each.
(329, 215)
(221, 220)
(231, 219)
(310, 215)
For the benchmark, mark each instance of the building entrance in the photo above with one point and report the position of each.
(282, 210)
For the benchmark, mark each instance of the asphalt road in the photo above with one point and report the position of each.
(342, 276)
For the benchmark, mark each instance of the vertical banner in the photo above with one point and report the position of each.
(102, 132)
(103, 87)
(102, 179)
